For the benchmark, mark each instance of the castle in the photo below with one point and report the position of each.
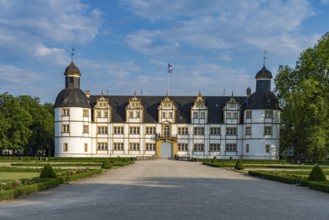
(246, 127)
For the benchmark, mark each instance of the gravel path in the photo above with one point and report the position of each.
(166, 189)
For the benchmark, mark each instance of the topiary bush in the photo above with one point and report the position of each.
(48, 172)
(317, 174)
(107, 164)
(239, 165)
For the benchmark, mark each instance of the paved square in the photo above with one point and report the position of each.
(167, 189)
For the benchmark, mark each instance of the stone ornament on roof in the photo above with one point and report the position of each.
(167, 103)
(135, 102)
(199, 102)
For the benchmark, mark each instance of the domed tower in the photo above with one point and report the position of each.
(262, 120)
(72, 117)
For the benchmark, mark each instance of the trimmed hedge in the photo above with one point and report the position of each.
(56, 164)
(291, 179)
(107, 164)
(48, 172)
(77, 176)
(239, 165)
(319, 185)
(211, 164)
(317, 174)
(25, 190)
(14, 169)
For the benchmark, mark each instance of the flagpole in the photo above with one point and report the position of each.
(168, 85)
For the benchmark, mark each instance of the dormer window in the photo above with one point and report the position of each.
(199, 111)
(102, 109)
(134, 110)
(167, 110)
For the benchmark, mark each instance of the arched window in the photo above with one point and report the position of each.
(166, 131)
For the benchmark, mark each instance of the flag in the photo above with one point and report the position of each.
(170, 68)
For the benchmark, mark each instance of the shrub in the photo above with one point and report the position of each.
(317, 174)
(239, 165)
(107, 164)
(48, 172)
(213, 160)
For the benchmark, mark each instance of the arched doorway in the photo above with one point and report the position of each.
(166, 149)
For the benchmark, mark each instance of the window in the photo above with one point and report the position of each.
(170, 114)
(215, 131)
(86, 147)
(248, 130)
(86, 129)
(248, 114)
(138, 114)
(134, 146)
(231, 106)
(247, 148)
(163, 115)
(85, 113)
(228, 115)
(214, 147)
(65, 128)
(183, 130)
(198, 147)
(230, 148)
(231, 131)
(199, 131)
(102, 130)
(202, 115)
(182, 147)
(267, 148)
(195, 115)
(268, 130)
(101, 146)
(99, 114)
(118, 146)
(131, 114)
(65, 112)
(268, 114)
(150, 146)
(133, 130)
(150, 130)
(106, 114)
(65, 147)
(118, 130)
(167, 131)
(235, 115)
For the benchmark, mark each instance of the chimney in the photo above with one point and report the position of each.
(248, 91)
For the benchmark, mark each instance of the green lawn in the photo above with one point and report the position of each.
(4, 176)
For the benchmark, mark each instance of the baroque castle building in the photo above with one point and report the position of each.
(246, 127)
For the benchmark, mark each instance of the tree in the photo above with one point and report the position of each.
(303, 92)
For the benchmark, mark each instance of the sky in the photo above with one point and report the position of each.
(122, 46)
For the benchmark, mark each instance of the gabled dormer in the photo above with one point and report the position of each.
(167, 110)
(134, 110)
(231, 111)
(102, 110)
(199, 111)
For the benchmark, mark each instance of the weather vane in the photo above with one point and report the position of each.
(72, 54)
(265, 52)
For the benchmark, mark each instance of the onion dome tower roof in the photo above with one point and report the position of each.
(72, 69)
(71, 97)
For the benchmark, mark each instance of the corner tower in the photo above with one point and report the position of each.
(72, 117)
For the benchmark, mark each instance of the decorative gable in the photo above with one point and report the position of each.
(102, 110)
(167, 110)
(199, 111)
(135, 110)
(232, 111)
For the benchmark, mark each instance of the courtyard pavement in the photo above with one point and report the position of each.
(167, 189)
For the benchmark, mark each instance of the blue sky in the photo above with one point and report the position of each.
(125, 45)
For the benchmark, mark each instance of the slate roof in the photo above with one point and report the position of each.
(72, 69)
(184, 104)
(262, 100)
(264, 74)
(71, 97)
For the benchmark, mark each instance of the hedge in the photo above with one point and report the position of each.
(319, 185)
(77, 176)
(280, 178)
(25, 190)
(14, 169)
(56, 164)
(211, 164)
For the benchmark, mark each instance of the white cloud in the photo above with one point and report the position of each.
(11, 75)
(220, 25)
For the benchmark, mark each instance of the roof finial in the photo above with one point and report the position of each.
(134, 93)
(72, 54)
(265, 53)
(232, 94)
(199, 93)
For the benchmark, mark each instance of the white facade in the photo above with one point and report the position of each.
(202, 127)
